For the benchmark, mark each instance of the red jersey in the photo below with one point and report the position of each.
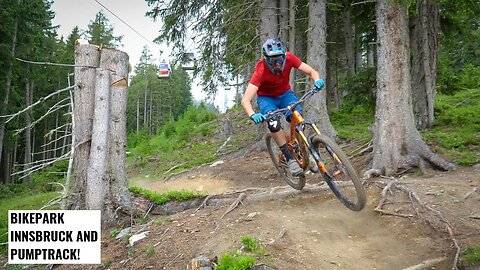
(270, 84)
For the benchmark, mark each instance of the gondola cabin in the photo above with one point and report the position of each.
(189, 62)
(164, 70)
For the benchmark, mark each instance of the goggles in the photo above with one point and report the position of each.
(275, 60)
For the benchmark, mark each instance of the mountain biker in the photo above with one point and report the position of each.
(270, 81)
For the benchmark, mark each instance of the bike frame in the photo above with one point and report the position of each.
(297, 125)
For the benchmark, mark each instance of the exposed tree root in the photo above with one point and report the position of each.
(250, 194)
(234, 204)
(426, 264)
(418, 205)
(470, 193)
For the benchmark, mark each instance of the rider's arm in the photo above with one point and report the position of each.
(247, 99)
(305, 68)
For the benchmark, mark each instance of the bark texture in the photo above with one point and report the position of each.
(96, 183)
(119, 196)
(104, 185)
(268, 20)
(397, 143)
(425, 27)
(85, 55)
(283, 20)
(348, 38)
(291, 39)
(315, 107)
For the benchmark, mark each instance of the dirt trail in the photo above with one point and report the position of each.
(320, 233)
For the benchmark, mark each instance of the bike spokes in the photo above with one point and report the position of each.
(339, 173)
(297, 182)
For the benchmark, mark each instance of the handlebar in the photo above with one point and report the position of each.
(292, 106)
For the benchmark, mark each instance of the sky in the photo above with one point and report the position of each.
(71, 13)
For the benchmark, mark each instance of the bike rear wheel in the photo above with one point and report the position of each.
(296, 182)
(340, 174)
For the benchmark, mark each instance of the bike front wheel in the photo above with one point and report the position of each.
(339, 173)
(296, 182)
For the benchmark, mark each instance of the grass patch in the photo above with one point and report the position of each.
(20, 202)
(162, 198)
(471, 256)
(244, 258)
(235, 262)
(456, 134)
(187, 141)
(353, 124)
(150, 251)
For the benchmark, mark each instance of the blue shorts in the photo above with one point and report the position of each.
(268, 104)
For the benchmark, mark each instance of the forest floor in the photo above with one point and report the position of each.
(426, 219)
(302, 229)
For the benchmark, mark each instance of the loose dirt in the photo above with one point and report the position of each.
(305, 230)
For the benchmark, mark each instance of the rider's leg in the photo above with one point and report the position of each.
(267, 104)
(287, 99)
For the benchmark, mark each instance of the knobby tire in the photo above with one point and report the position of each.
(344, 194)
(296, 182)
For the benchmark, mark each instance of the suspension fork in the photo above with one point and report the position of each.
(312, 151)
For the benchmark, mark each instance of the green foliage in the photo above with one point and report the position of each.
(176, 135)
(153, 101)
(240, 260)
(114, 232)
(42, 181)
(150, 251)
(353, 125)
(235, 262)
(135, 139)
(459, 53)
(456, 133)
(251, 244)
(107, 263)
(20, 202)
(100, 32)
(471, 256)
(360, 89)
(226, 35)
(167, 196)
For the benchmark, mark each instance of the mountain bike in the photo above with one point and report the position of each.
(317, 153)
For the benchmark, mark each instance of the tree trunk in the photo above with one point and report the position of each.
(371, 55)
(55, 137)
(396, 142)
(97, 184)
(291, 39)
(331, 70)
(118, 196)
(28, 135)
(6, 95)
(283, 20)
(348, 37)
(358, 53)
(138, 114)
(66, 201)
(145, 108)
(44, 146)
(424, 44)
(315, 107)
(85, 55)
(268, 20)
(6, 167)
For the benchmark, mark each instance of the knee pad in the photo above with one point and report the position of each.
(274, 124)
